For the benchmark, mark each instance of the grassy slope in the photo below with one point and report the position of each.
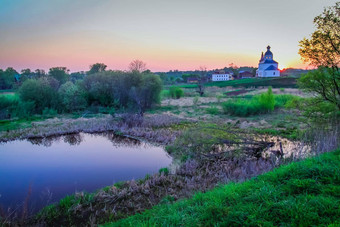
(303, 193)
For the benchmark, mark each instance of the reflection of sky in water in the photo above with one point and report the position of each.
(95, 162)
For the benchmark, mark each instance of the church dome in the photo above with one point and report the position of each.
(268, 52)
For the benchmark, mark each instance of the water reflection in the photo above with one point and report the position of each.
(77, 138)
(54, 167)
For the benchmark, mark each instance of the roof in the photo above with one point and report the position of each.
(271, 68)
(268, 52)
(245, 72)
(268, 61)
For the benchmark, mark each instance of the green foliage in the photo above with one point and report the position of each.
(49, 112)
(164, 171)
(259, 104)
(147, 92)
(72, 97)
(322, 48)
(212, 110)
(283, 100)
(242, 108)
(176, 92)
(120, 89)
(287, 82)
(41, 93)
(266, 100)
(325, 82)
(195, 100)
(304, 193)
(7, 78)
(60, 74)
(96, 68)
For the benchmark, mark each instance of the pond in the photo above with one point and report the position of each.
(42, 171)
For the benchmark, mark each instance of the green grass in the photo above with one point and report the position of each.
(305, 193)
(258, 104)
(212, 110)
(251, 82)
(9, 95)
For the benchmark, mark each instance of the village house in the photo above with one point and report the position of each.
(245, 74)
(221, 76)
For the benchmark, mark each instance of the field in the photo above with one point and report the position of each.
(193, 128)
(281, 82)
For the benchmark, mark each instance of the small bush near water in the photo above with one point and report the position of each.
(304, 193)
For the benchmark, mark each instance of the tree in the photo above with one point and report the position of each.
(60, 74)
(137, 65)
(322, 50)
(147, 93)
(40, 93)
(71, 97)
(96, 68)
(201, 80)
(39, 73)
(7, 78)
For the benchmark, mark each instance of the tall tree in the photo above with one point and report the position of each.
(7, 78)
(137, 65)
(322, 50)
(96, 68)
(60, 74)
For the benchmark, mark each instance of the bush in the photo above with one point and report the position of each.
(176, 92)
(282, 100)
(242, 108)
(120, 89)
(49, 112)
(266, 100)
(212, 110)
(7, 104)
(263, 103)
(72, 97)
(41, 92)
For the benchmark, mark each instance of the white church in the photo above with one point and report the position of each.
(267, 66)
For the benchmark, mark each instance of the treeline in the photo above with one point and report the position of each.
(59, 92)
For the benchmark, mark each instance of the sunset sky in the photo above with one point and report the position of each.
(166, 34)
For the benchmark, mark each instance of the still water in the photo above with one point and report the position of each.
(43, 171)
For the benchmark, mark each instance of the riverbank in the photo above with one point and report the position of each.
(302, 193)
(152, 128)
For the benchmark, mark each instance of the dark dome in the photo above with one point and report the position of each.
(268, 52)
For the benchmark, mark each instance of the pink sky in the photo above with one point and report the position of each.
(167, 35)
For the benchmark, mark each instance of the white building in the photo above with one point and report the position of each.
(221, 77)
(267, 66)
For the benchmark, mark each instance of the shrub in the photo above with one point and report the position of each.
(41, 92)
(212, 110)
(6, 106)
(266, 100)
(282, 100)
(242, 108)
(195, 100)
(176, 92)
(72, 97)
(165, 171)
(263, 103)
(49, 112)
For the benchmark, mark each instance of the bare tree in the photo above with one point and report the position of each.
(137, 65)
(201, 80)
